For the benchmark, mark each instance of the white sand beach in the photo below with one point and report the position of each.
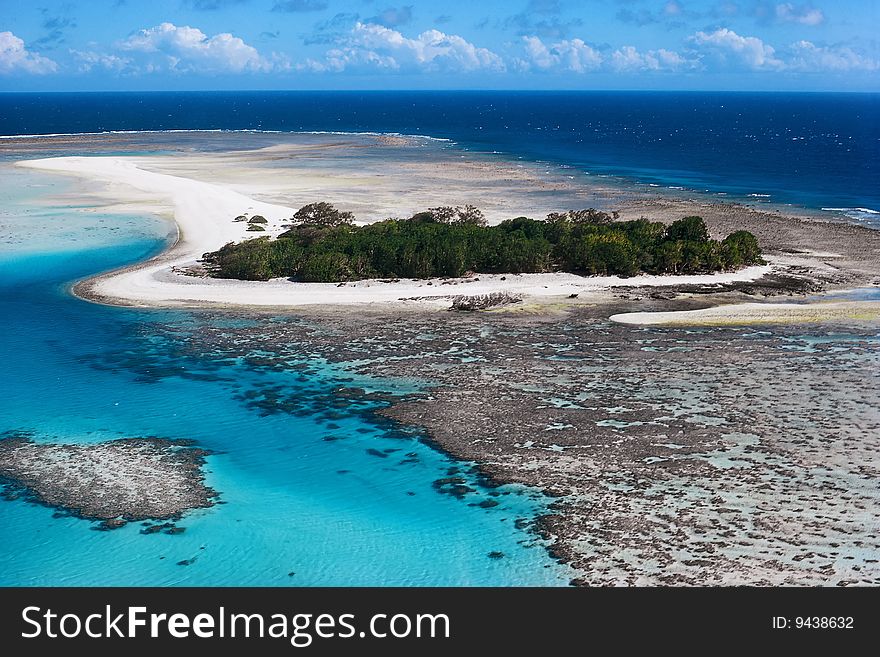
(204, 212)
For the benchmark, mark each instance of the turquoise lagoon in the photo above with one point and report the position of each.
(297, 510)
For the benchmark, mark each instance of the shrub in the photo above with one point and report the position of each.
(740, 248)
(688, 229)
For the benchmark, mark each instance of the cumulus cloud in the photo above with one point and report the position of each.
(375, 46)
(88, 60)
(807, 57)
(15, 58)
(629, 58)
(728, 45)
(187, 49)
(576, 56)
(720, 50)
(803, 15)
(571, 55)
(800, 57)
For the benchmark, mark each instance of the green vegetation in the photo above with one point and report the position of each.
(321, 214)
(322, 245)
(258, 219)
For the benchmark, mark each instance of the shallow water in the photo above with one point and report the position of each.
(316, 489)
(857, 294)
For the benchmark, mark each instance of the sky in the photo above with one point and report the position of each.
(763, 45)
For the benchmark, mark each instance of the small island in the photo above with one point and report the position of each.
(323, 245)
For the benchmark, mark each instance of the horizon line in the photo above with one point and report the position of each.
(457, 90)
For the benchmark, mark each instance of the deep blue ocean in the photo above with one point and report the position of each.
(814, 150)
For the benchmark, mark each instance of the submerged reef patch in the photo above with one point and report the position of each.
(113, 482)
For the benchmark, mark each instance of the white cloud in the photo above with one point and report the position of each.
(89, 60)
(188, 49)
(576, 56)
(749, 50)
(337, 59)
(14, 57)
(375, 46)
(810, 58)
(800, 57)
(571, 55)
(538, 54)
(788, 13)
(628, 58)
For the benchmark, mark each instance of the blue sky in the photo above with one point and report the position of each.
(496, 44)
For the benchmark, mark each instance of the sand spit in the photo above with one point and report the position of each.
(742, 314)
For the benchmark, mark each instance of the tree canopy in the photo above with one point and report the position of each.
(321, 214)
(324, 246)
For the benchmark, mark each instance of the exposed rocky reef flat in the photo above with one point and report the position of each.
(675, 455)
(113, 482)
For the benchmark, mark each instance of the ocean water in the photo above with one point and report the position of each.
(820, 151)
(297, 509)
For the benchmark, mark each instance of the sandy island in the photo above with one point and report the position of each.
(807, 254)
(203, 213)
